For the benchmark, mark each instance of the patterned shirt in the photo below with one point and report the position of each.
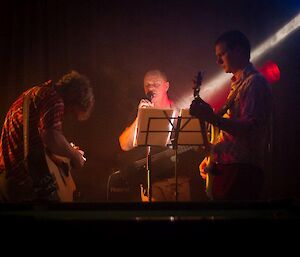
(252, 103)
(46, 111)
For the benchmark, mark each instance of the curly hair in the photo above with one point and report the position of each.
(76, 91)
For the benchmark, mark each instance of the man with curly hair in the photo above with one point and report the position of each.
(28, 179)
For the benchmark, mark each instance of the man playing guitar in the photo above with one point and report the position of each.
(238, 151)
(33, 124)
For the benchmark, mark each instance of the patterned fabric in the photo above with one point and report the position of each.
(46, 111)
(252, 103)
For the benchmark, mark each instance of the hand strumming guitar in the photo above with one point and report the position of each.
(202, 166)
(78, 159)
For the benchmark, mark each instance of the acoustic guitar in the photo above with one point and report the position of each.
(60, 169)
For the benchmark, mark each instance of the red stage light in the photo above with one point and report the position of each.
(270, 71)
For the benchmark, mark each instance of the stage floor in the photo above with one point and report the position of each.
(156, 220)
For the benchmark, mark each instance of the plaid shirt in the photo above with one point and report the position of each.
(46, 111)
(251, 103)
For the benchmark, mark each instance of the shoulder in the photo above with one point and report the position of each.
(257, 78)
(256, 83)
(48, 94)
(47, 99)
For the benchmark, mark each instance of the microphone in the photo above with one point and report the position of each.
(150, 95)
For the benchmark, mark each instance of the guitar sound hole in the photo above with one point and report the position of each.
(65, 169)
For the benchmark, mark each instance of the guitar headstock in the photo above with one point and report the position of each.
(197, 84)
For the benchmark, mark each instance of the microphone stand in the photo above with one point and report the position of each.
(148, 168)
(175, 147)
(148, 162)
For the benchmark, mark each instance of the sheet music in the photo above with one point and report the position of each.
(190, 131)
(154, 126)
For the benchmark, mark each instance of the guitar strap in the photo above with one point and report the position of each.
(26, 104)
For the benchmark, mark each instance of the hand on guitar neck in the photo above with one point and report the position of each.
(202, 110)
(199, 108)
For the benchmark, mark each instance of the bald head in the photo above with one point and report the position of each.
(157, 74)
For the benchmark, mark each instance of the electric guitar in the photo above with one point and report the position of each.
(60, 169)
(210, 167)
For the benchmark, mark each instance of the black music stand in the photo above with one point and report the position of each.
(160, 127)
(154, 128)
(190, 132)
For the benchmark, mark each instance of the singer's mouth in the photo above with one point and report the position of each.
(153, 97)
(150, 94)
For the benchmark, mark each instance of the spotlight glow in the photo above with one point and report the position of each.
(209, 91)
(276, 38)
(270, 71)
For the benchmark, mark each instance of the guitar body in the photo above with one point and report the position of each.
(60, 167)
(209, 185)
(210, 174)
(210, 168)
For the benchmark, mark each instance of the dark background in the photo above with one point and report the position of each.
(115, 42)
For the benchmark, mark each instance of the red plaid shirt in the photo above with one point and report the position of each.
(46, 111)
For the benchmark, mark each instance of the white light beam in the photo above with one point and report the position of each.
(208, 90)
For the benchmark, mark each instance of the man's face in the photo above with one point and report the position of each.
(83, 115)
(226, 58)
(158, 86)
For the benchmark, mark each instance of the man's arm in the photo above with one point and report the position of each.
(234, 127)
(254, 112)
(127, 137)
(56, 143)
(203, 111)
